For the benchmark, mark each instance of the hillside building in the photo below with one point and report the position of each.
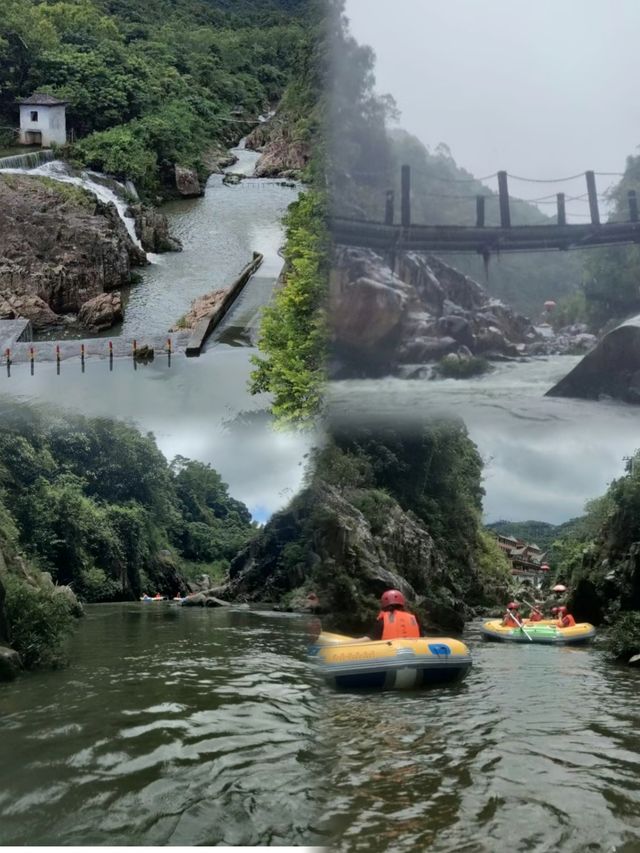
(43, 121)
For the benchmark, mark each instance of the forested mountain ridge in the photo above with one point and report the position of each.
(366, 153)
(91, 510)
(150, 83)
(382, 508)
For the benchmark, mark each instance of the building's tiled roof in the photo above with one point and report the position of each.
(38, 99)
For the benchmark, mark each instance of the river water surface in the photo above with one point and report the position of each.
(544, 456)
(175, 726)
(538, 750)
(170, 726)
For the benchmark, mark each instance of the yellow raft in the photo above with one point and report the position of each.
(545, 632)
(349, 663)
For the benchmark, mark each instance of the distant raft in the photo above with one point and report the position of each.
(546, 633)
(352, 664)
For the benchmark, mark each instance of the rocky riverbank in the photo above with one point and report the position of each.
(64, 254)
(284, 152)
(399, 321)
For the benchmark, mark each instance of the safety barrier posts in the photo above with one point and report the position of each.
(7, 356)
(110, 356)
(32, 358)
(58, 359)
(82, 357)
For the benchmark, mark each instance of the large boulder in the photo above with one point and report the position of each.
(611, 369)
(101, 312)
(10, 663)
(187, 182)
(383, 318)
(29, 307)
(152, 228)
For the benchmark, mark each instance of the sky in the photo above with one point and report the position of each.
(543, 89)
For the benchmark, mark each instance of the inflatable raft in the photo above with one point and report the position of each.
(546, 632)
(347, 663)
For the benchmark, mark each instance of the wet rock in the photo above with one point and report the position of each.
(101, 312)
(10, 664)
(187, 182)
(152, 228)
(232, 179)
(611, 369)
(634, 661)
(144, 354)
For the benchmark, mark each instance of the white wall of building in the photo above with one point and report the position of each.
(50, 122)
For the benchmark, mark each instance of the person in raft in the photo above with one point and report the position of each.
(565, 619)
(536, 615)
(512, 618)
(394, 621)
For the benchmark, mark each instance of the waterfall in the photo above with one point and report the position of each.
(105, 189)
(29, 160)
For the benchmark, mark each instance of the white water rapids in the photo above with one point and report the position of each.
(544, 456)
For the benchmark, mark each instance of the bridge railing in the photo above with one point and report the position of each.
(504, 202)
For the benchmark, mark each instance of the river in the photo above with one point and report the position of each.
(538, 750)
(544, 456)
(199, 407)
(177, 726)
(170, 726)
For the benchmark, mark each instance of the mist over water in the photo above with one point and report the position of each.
(544, 456)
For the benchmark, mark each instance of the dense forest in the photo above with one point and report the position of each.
(92, 506)
(598, 556)
(97, 505)
(150, 83)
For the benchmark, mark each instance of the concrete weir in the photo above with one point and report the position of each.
(16, 336)
(206, 326)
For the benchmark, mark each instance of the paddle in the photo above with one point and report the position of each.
(520, 625)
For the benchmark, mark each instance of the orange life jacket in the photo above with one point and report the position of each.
(510, 622)
(535, 616)
(567, 621)
(399, 625)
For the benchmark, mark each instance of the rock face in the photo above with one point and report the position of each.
(59, 248)
(611, 369)
(101, 312)
(347, 566)
(187, 182)
(152, 228)
(283, 154)
(384, 320)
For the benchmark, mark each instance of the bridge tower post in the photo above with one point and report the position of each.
(480, 211)
(633, 205)
(503, 193)
(562, 212)
(405, 200)
(593, 198)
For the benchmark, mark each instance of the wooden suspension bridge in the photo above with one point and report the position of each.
(391, 237)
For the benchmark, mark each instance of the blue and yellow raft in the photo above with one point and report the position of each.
(545, 632)
(352, 664)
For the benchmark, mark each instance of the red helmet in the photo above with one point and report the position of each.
(555, 609)
(562, 609)
(513, 605)
(392, 597)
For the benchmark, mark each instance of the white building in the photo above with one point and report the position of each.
(42, 121)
